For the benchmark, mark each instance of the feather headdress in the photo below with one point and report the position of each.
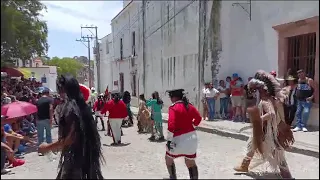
(268, 82)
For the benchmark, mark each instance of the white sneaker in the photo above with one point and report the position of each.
(296, 129)
(5, 171)
(304, 129)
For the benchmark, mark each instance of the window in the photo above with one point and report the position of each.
(121, 49)
(133, 43)
(134, 88)
(302, 53)
(107, 48)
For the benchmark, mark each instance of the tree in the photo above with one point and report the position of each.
(23, 34)
(66, 65)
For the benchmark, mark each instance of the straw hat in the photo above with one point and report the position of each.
(290, 78)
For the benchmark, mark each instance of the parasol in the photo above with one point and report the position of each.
(18, 109)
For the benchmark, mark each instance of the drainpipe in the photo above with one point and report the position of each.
(143, 45)
(199, 54)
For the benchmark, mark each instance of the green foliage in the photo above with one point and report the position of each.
(65, 65)
(23, 34)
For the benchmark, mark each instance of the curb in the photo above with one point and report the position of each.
(244, 137)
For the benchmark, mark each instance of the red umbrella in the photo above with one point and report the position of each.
(18, 109)
(85, 91)
(12, 72)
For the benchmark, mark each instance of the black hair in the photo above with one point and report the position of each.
(180, 96)
(126, 97)
(115, 97)
(228, 77)
(141, 96)
(155, 95)
(100, 105)
(86, 149)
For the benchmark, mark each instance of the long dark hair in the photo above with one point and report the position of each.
(155, 95)
(85, 150)
(142, 98)
(181, 96)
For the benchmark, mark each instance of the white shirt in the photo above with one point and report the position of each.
(210, 93)
(222, 94)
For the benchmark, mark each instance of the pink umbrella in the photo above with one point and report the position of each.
(18, 109)
(85, 91)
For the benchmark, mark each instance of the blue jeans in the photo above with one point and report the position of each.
(44, 125)
(211, 107)
(302, 114)
(224, 103)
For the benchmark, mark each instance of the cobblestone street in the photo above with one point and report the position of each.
(140, 158)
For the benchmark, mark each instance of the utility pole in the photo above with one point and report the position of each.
(96, 51)
(87, 40)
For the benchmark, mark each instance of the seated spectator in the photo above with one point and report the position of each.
(28, 128)
(8, 153)
(14, 139)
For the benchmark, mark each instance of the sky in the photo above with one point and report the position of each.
(65, 18)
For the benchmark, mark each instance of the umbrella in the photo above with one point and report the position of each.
(18, 109)
(85, 91)
(41, 89)
(12, 72)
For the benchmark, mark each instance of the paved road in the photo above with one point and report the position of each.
(144, 159)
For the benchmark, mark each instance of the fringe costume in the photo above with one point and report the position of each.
(80, 160)
(271, 135)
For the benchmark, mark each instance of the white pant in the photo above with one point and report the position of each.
(115, 124)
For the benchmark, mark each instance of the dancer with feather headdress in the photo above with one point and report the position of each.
(271, 135)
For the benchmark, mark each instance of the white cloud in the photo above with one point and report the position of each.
(70, 15)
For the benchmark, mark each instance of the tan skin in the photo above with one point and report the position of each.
(169, 161)
(58, 145)
(302, 76)
(205, 105)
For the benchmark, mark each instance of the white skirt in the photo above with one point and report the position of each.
(98, 113)
(184, 145)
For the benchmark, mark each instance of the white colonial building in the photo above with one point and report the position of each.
(182, 44)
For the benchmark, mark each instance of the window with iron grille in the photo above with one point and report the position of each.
(302, 53)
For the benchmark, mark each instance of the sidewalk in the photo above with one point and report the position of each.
(307, 143)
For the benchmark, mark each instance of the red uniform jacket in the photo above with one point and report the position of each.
(95, 106)
(182, 120)
(116, 110)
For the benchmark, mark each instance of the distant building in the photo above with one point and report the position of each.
(83, 74)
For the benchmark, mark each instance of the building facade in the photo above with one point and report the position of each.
(126, 36)
(182, 44)
(106, 59)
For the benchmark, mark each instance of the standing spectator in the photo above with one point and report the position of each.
(204, 102)
(236, 97)
(290, 104)
(249, 100)
(45, 117)
(224, 99)
(305, 94)
(211, 95)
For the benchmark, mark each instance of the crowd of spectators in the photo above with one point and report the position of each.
(230, 98)
(18, 134)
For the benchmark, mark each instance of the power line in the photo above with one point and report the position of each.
(171, 18)
(131, 24)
